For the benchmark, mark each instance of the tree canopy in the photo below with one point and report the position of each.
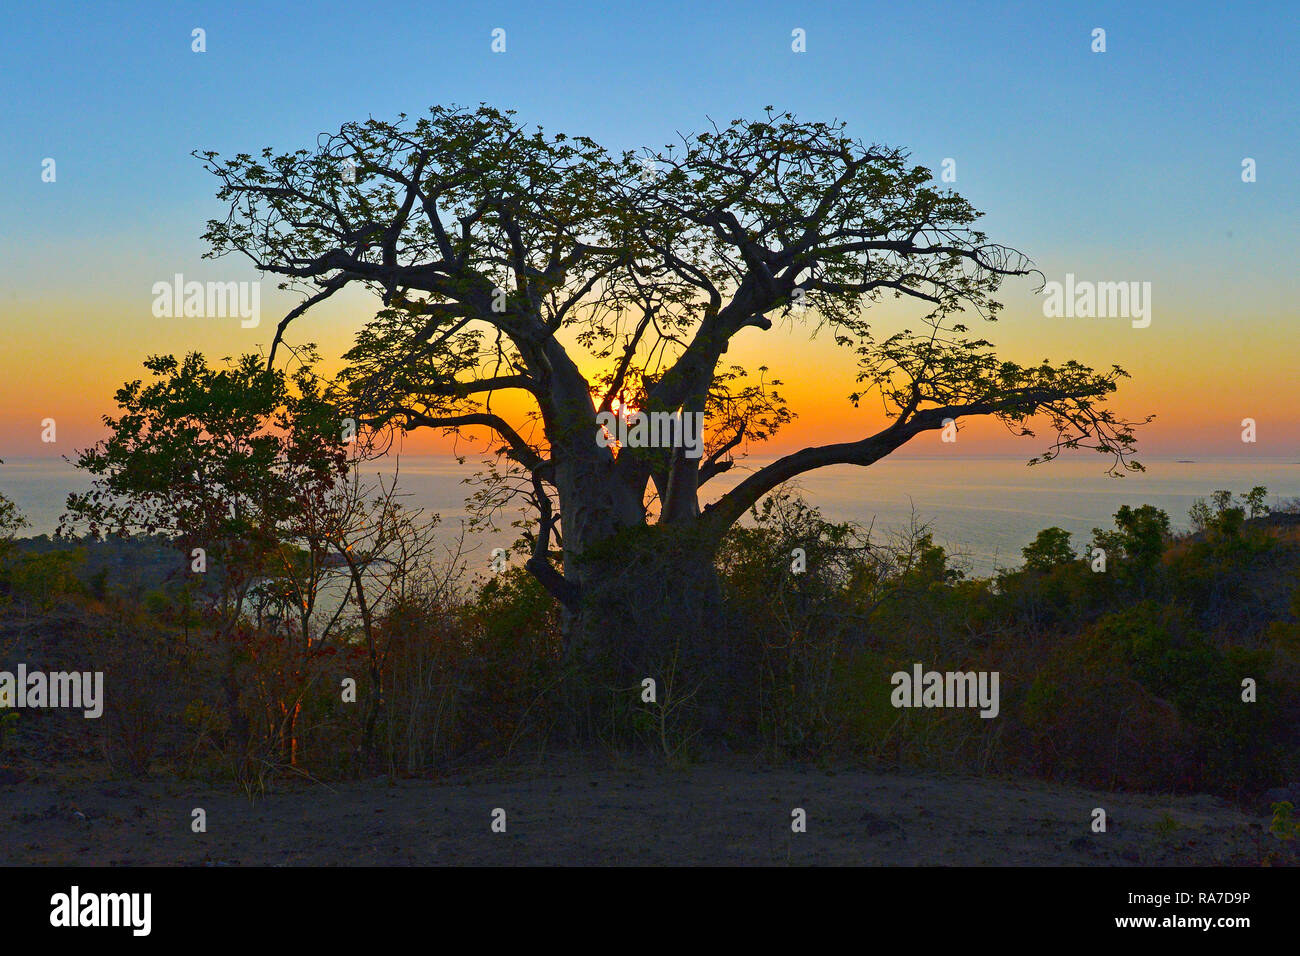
(510, 259)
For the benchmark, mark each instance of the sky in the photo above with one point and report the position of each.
(1122, 165)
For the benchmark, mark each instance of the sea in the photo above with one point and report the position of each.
(981, 510)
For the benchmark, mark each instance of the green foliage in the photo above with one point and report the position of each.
(12, 521)
(512, 611)
(43, 578)
(950, 371)
(1139, 538)
(789, 616)
(1050, 549)
(211, 454)
(1223, 516)
(1107, 680)
(1284, 825)
(238, 461)
(929, 567)
(1232, 743)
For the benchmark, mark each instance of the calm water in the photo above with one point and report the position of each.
(983, 509)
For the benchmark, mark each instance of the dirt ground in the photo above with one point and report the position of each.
(576, 812)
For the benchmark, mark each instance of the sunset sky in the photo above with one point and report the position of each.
(1117, 166)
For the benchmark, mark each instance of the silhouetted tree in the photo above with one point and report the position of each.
(1050, 549)
(516, 261)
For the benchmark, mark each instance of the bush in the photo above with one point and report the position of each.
(45, 578)
(1129, 679)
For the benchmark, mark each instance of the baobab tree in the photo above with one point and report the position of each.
(510, 260)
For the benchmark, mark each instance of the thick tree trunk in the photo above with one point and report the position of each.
(652, 607)
(649, 604)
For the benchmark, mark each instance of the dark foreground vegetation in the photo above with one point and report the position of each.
(1129, 678)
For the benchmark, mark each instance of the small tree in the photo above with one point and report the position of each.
(12, 521)
(237, 466)
(1228, 513)
(1139, 538)
(385, 547)
(1050, 549)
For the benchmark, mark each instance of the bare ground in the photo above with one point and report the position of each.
(575, 811)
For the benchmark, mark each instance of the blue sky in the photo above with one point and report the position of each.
(114, 92)
(1125, 161)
